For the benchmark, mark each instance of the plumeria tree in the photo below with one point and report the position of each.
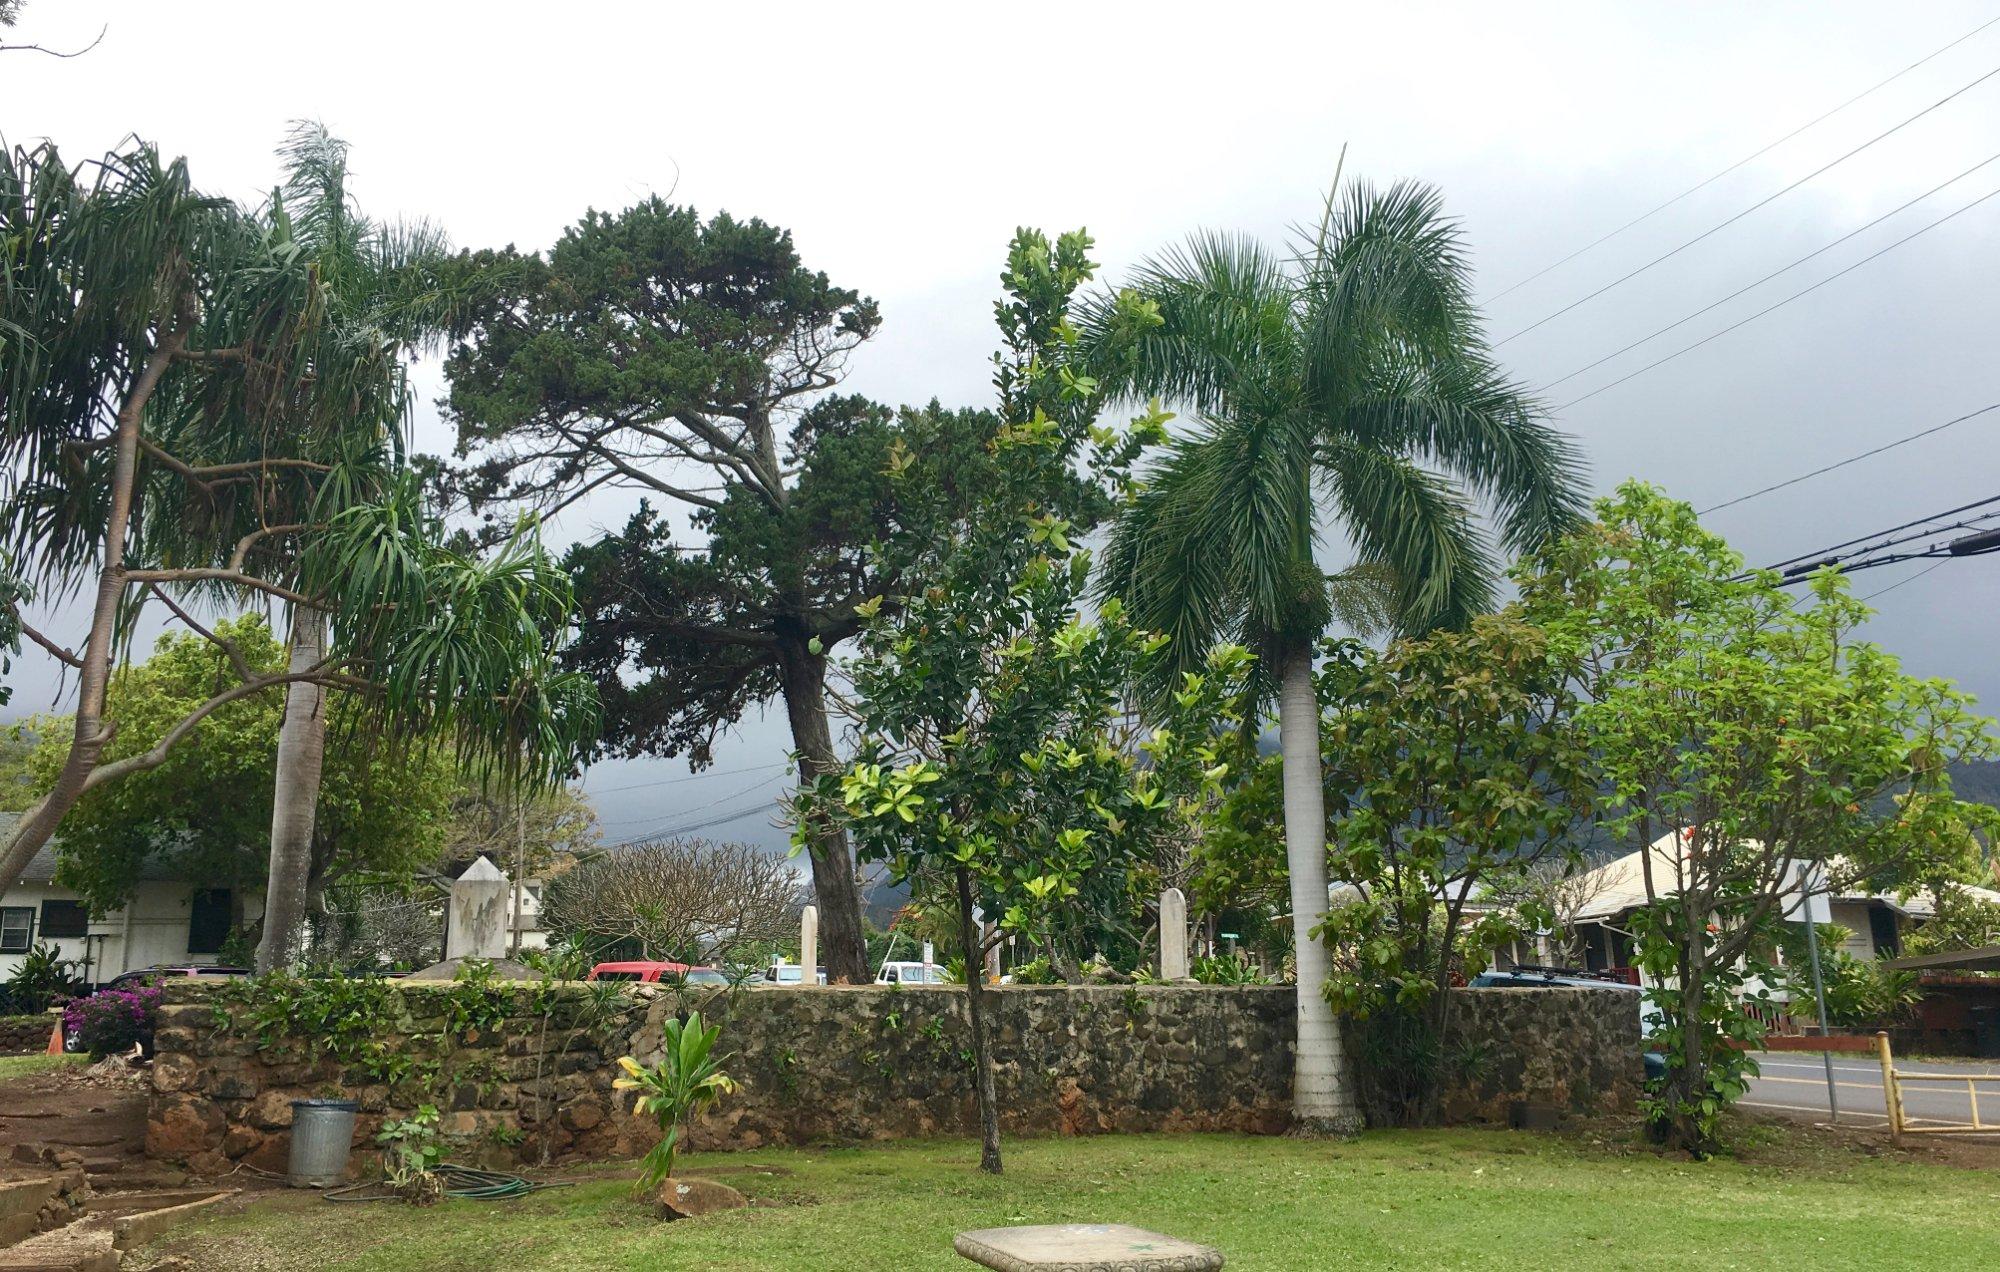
(992, 706)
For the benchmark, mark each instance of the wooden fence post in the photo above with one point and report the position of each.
(1892, 1099)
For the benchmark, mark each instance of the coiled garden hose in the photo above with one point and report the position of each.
(459, 1181)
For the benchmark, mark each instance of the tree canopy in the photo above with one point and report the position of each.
(205, 811)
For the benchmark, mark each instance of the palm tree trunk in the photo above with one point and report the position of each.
(802, 679)
(295, 798)
(1322, 1102)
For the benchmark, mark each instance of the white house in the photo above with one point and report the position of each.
(167, 921)
(1606, 897)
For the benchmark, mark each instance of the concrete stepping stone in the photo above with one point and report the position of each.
(1084, 1247)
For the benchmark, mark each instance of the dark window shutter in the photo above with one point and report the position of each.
(208, 920)
(65, 918)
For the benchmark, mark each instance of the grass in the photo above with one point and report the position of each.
(1404, 1200)
(21, 1066)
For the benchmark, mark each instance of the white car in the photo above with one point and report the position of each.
(911, 974)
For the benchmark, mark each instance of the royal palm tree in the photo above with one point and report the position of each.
(1342, 391)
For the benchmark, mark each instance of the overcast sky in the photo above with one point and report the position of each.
(903, 143)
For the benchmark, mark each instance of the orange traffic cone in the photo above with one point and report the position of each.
(56, 1039)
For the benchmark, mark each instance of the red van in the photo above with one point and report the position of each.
(652, 972)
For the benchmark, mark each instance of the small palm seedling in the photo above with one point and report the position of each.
(685, 1081)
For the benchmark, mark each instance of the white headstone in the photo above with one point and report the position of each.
(809, 945)
(477, 927)
(1173, 935)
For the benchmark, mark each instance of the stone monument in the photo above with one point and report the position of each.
(809, 946)
(476, 925)
(1173, 936)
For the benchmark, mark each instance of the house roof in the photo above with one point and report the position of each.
(1620, 885)
(41, 868)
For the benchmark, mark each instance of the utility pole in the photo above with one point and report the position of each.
(520, 865)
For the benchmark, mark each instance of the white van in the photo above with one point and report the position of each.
(911, 974)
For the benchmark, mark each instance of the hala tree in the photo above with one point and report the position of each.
(690, 361)
(1746, 740)
(193, 420)
(1452, 762)
(382, 284)
(991, 709)
(1346, 385)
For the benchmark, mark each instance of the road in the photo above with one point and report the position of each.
(1794, 1080)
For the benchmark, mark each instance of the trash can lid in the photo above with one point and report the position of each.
(343, 1106)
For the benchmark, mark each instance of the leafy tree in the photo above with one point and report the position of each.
(1453, 761)
(205, 809)
(1744, 737)
(1351, 376)
(687, 359)
(1961, 921)
(192, 417)
(990, 708)
(17, 785)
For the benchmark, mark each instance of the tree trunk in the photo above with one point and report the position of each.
(802, 677)
(295, 798)
(92, 730)
(982, 1048)
(1322, 1102)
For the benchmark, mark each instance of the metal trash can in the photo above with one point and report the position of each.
(322, 1134)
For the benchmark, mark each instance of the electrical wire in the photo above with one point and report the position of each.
(1900, 582)
(1797, 295)
(735, 794)
(1852, 459)
(1766, 200)
(676, 781)
(1848, 557)
(1820, 251)
(1704, 184)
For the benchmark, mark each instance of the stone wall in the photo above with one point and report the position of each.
(838, 1064)
(21, 1035)
(1575, 1049)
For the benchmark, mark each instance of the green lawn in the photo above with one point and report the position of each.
(21, 1066)
(1444, 1199)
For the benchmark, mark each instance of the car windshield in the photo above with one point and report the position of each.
(706, 976)
(791, 975)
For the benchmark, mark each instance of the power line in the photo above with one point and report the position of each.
(1826, 167)
(1852, 459)
(1819, 251)
(704, 775)
(735, 794)
(1704, 184)
(1803, 292)
(691, 827)
(1900, 582)
(1879, 539)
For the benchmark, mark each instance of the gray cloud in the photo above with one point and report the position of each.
(903, 144)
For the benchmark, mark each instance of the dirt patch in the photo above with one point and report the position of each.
(1782, 1139)
(99, 1113)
